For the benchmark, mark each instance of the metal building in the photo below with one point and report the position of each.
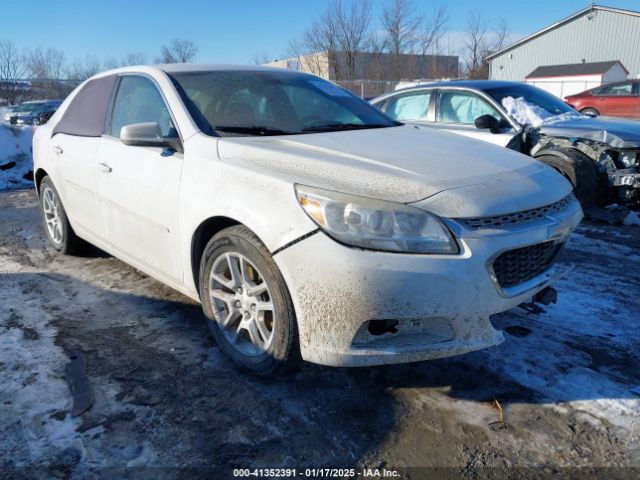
(595, 34)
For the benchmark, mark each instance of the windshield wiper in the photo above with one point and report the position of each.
(333, 127)
(258, 130)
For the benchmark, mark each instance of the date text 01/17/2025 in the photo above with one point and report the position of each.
(316, 473)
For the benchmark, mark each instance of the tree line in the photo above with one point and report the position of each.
(402, 33)
(54, 76)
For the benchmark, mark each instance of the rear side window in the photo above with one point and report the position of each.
(86, 115)
(410, 106)
(138, 101)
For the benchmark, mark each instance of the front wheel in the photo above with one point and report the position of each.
(247, 303)
(581, 171)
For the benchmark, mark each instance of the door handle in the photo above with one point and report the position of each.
(104, 168)
(57, 150)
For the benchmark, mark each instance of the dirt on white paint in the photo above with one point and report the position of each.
(167, 404)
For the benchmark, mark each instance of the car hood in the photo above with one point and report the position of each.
(404, 164)
(617, 132)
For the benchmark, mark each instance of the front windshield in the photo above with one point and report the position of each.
(532, 95)
(272, 103)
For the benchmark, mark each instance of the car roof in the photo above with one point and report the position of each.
(203, 67)
(471, 84)
(196, 67)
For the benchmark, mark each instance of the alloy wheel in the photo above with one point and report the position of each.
(242, 303)
(51, 206)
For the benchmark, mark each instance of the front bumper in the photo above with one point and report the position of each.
(442, 302)
(627, 181)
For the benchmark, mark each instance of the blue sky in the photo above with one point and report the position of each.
(225, 31)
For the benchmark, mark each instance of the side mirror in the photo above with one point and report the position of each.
(487, 122)
(148, 134)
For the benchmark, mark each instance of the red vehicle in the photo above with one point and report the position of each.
(619, 99)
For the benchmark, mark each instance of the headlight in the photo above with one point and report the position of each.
(628, 159)
(375, 224)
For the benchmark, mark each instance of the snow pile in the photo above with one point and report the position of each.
(16, 163)
(523, 112)
(3, 112)
(632, 219)
(526, 113)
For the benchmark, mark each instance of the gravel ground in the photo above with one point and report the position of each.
(168, 404)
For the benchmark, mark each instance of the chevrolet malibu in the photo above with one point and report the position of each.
(306, 222)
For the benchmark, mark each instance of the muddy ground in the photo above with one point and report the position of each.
(168, 404)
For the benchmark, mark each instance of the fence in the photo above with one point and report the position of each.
(368, 88)
(374, 88)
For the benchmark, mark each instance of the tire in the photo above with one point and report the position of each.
(56, 224)
(590, 111)
(259, 339)
(581, 171)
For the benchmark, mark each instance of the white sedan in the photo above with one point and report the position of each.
(306, 222)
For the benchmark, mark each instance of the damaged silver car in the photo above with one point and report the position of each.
(600, 156)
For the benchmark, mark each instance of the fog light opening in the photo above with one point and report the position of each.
(380, 327)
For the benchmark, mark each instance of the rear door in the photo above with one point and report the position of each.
(74, 145)
(139, 187)
(75, 159)
(457, 110)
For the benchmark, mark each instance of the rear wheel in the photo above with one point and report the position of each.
(56, 224)
(590, 111)
(581, 171)
(247, 302)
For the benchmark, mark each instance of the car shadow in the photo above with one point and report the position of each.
(160, 381)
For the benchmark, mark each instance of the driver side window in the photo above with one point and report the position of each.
(138, 101)
(619, 89)
(463, 107)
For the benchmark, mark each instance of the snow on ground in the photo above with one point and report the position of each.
(16, 164)
(567, 379)
(632, 218)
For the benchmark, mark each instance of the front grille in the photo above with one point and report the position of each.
(516, 266)
(518, 217)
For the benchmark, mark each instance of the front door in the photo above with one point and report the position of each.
(139, 187)
(619, 100)
(457, 110)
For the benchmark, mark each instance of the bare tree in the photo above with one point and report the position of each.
(45, 64)
(401, 24)
(375, 68)
(85, 68)
(180, 50)
(260, 58)
(351, 27)
(46, 68)
(501, 36)
(11, 71)
(134, 58)
(110, 63)
(331, 44)
(480, 43)
(433, 29)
